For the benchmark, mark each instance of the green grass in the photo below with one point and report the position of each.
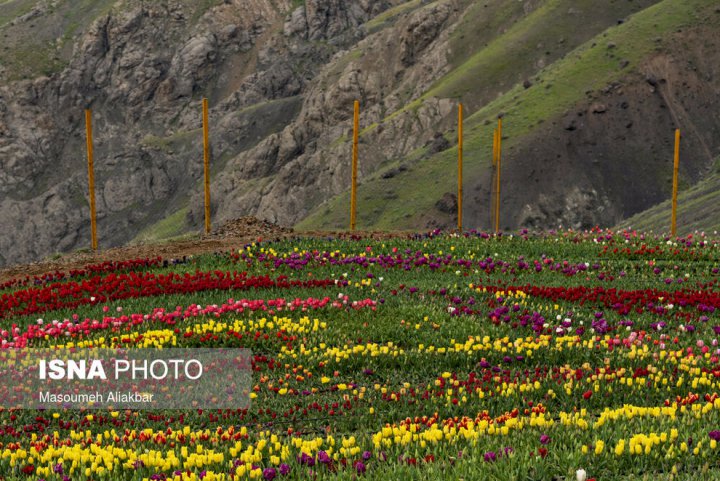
(563, 84)
(31, 61)
(542, 35)
(168, 228)
(11, 9)
(515, 44)
(38, 46)
(480, 24)
(388, 15)
(179, 140)
(200, 7)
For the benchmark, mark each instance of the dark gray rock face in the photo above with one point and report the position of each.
(289, 173)
(143, 69)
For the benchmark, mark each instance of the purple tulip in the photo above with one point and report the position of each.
(269, 474)
(324, 457)
(307, 460)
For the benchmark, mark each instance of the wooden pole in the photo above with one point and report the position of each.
(206, 157)
(353, 188)
(91, 177)
(499, 165)
(494, 153)
(673, 221)
(460, 168)
(492, 186)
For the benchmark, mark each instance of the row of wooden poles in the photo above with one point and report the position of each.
(91, 170)
(496, 159)
(496, 162)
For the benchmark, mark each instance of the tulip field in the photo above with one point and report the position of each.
(555, 356)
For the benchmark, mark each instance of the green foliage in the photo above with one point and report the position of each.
(385, 18)
(179, 140)
(168, 228)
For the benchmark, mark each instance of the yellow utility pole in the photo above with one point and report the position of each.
(460, 168)
(353, 188)
(91, 177)
(676, 166)
(206, 157)
(499, 166)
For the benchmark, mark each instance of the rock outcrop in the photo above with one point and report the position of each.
(142, 69)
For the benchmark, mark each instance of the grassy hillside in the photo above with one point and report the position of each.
(38, 37)
(10, 9)
(403, 200)
(698, 210)
(171, 226)
(510, 56)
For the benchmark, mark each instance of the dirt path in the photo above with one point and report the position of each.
(232, 235)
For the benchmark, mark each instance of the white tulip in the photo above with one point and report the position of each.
(581, 475)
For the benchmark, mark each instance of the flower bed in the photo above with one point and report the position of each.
(564, 355)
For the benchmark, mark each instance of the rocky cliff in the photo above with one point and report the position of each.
(142, 67)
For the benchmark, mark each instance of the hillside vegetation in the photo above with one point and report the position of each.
(557, 88)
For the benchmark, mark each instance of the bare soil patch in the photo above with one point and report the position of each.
(232, 235)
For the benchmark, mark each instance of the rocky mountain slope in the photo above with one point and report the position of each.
(588, 136)
(590, 92)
